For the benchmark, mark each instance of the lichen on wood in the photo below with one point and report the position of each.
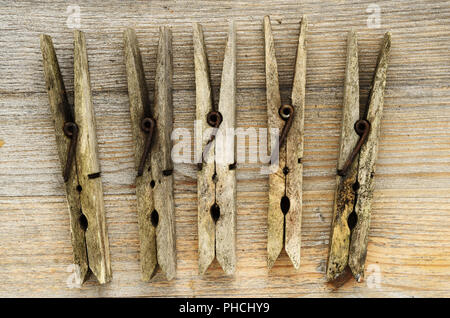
(354, 190)
(367, 159)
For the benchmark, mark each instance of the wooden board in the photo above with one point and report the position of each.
(409, 238)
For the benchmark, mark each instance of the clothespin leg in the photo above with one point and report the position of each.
(225, 158)
(88, 168)
(344, 197)
(161, 162)
(294, 145)
(205, 182)
(140, 108)
(61, 113)
(275, 217)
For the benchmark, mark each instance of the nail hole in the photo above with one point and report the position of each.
(79, 188)
(152, 183)
(83, 221)
(299, 160)
(285, 204)
(215, 212)
(154, 218)
(355, 186)
(285, 170)
(352, 219)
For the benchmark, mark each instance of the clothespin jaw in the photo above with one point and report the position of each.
(77, 149)
(285, 183)
(152, 129)
(216, 175)
(356, 166)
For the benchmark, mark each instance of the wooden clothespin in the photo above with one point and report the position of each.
(216, 172)
(285, 180)
(152, 128)
(77, 148)
(356, 166)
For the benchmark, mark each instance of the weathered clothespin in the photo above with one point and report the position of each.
(77, 148)
(216, 172)
(152, 128)
(356, 166)
(285, 181)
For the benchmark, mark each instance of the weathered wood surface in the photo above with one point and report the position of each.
(408, 248)
(216, 180)
(285, 229)
(154, 188)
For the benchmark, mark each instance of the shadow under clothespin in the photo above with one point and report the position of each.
(356, 167)
(77, 148)
(152, 128)
(286, 177)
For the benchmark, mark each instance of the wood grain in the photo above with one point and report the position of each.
(408, 245)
